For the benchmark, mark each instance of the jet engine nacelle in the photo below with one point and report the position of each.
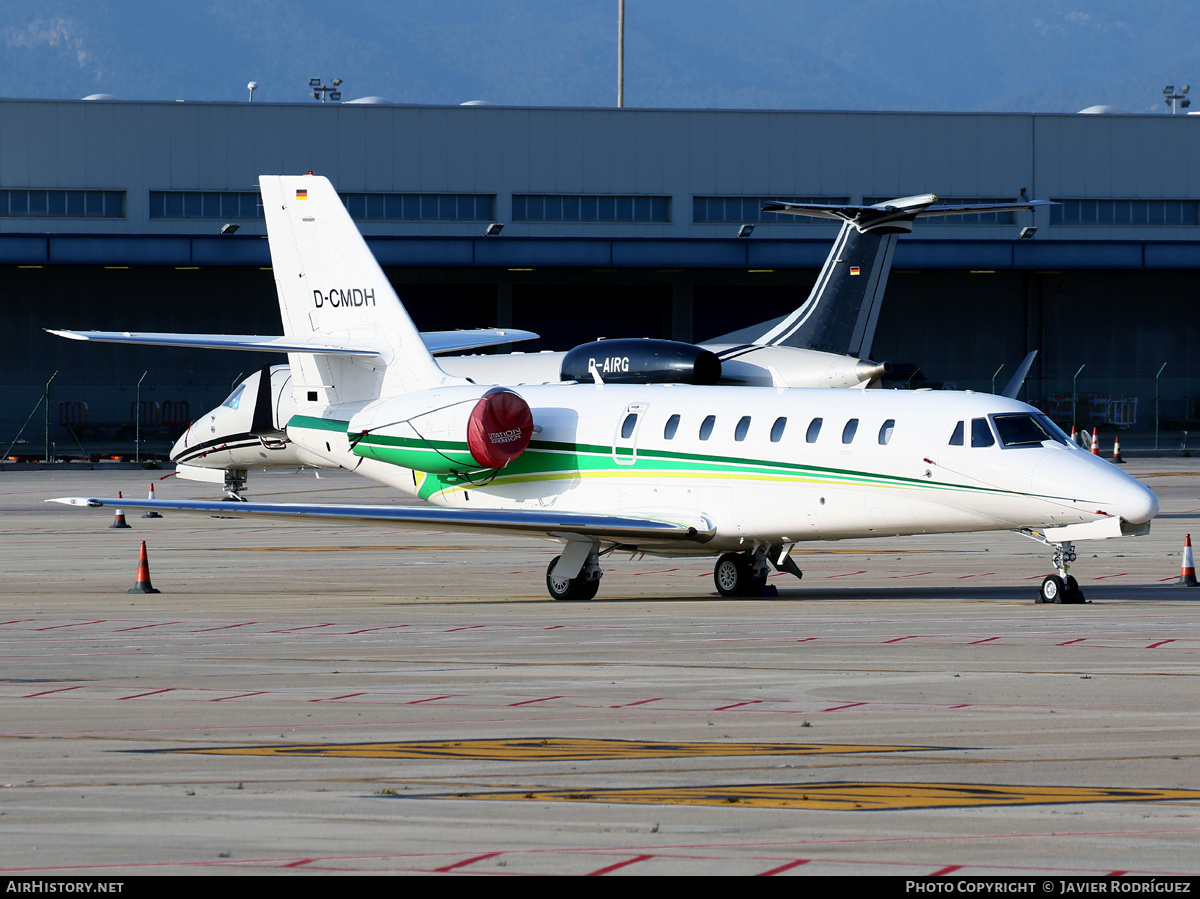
(633, 361)
(443, 431)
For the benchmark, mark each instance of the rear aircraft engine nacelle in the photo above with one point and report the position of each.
(444, 431)
(632, 361)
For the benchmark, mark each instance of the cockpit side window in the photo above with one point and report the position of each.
(956, 439)
(1023, 429)
(235, 398)
(981, 434)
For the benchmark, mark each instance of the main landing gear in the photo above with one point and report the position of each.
(745, 573)
(584, 585)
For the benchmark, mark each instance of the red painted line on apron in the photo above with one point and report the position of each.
(1069, 642)
(76, 624)
(965, 705)
(782, 868)
(224, 627)
(806, 639)
(241, 695)
(142, 627)
(898, 639)
(633, 861)
(949, 869)
(850, 574)
(336, 698)
(307, 627)
(1105, 577)
(838, 708)
(151, 693)
(469, 627)
(297, 864)
(430, 699)
(553, 627)
(630, 705)
(49, 692)
(737, 705)
(982, 574)
(900, 576)
(1159, 643)
(465, 862)
(368, 630)
(513, 705)
(984, 640)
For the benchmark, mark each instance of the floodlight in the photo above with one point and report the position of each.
(494, 229)
(229, 228)
(745, 230)
(1027, 232)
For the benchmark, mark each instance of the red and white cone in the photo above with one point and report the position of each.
(1187, 577)
(119, 518)
(142, 583)
(1074, 439)
(151, 513)
(1117, 451)
(1095, 444)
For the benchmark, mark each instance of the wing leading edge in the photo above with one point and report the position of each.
(534, 523)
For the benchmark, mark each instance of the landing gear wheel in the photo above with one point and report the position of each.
(1053, 590)
(575, 589)
(734, 576)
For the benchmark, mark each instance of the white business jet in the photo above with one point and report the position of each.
(825, 342)
(663, 469)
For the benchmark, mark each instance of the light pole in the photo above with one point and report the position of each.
(1176, 101)
(319, 90)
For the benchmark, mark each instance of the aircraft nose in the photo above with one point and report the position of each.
(180, 444)
(1137, 503)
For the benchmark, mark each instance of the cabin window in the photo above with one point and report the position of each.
(671, 428)
(981, 434)
(628, 425)
(849, 431)
(743, 426)
(1022, 429)
(956, 439)
(706, 426)
(814, 430)
(885, 432)
(777, 429)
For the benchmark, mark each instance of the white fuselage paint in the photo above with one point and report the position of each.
(914, 483)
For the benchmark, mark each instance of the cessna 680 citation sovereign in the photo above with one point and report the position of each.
(665, 469)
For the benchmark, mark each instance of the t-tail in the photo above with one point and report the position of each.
(330, 286)
(842, 310)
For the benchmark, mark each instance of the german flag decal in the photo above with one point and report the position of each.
(853, 268)
(302, 195)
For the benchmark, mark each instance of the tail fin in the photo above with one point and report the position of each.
(329, 284)
(840, 314)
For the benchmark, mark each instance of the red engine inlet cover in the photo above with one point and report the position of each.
(499, 428)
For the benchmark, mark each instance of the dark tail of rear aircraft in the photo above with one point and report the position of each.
(840, 314)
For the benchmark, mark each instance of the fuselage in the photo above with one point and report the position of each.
(758, 465)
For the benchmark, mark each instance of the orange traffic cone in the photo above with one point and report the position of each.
(142, 583)
(1095, 444)
(151, 513)
(1117, 451)
(119, 518)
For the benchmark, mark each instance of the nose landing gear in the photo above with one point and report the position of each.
(1061, 587)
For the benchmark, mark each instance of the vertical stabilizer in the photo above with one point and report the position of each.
(330, 286)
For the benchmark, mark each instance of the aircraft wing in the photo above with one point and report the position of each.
(535, 523)
(437, 341)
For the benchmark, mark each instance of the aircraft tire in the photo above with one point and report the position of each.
(576, 589)
(734, 577)
(1053, 590)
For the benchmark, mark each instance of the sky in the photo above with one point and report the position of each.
(920, 55)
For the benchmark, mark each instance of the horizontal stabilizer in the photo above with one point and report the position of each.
(892, 212)
(625, 529)
(436, 341)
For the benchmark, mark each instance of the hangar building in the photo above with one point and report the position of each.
(616, 223)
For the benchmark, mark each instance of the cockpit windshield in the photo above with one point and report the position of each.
(1024, 429)
(235, 398)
